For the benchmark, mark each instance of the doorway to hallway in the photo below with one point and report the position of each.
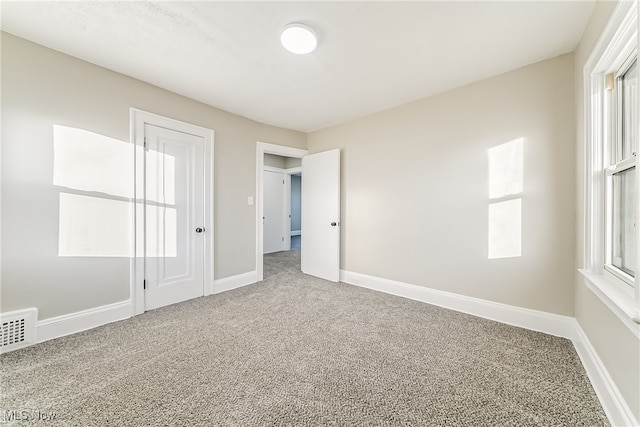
(320, 209)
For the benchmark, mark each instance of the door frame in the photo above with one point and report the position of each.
(263, 148)
(137, 120)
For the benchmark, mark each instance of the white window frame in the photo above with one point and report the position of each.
(618, 41)
(613, 161)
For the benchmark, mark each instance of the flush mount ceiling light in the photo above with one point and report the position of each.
(298, 39)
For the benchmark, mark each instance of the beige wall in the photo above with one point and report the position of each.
(274, 161)
(281, 162)
(415, 188)
(616, 345)
(42, 88)
(292, 162)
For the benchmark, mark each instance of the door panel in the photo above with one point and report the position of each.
(174, 208)
(321, 215)
(274, 212)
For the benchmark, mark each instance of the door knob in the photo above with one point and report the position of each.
(333, 224)
(199, 230)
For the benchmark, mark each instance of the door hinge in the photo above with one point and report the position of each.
(144, 284)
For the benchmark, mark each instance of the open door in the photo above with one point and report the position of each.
(321, 215)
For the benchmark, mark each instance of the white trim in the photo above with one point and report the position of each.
(209, 210)
(234, 282)
(612, 401)
(72, 323)
(286, 220)
(138, 119)
(617, 296)
(614, 38)
(616, 42)
(289, 171)
(273, 169)
(614, 405)
(549, 323)
(263, 148)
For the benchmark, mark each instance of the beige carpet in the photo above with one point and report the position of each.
(295, 350)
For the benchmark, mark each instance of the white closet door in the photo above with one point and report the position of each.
(274, 212)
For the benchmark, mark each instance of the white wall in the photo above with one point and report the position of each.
(616, 345)
(42, 88)
(415, 188)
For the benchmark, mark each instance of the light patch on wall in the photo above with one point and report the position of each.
(505, 169)
(96, 219)
(505, 203)
(505, 225)
(100, 227)
(94, 226)
(88, 161)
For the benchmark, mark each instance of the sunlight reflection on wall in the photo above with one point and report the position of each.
(505, 203)
(84, 160)
(96, 211)
(94, 226)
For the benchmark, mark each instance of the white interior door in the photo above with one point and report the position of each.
(321, 215)
(174, 216)
(274, 212)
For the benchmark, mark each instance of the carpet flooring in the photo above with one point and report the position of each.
(295, 350)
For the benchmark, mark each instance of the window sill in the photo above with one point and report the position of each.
(619, 298)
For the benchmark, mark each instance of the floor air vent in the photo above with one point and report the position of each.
(18, 329)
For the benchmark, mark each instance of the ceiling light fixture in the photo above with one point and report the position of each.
(298, 38)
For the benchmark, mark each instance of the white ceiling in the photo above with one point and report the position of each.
(371, 55)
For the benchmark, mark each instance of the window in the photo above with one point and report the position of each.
(612, 110)
(621, 181)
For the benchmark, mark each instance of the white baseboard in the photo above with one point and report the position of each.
(553, 324)
(613, 403)
(72, 323)
(234, 282)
